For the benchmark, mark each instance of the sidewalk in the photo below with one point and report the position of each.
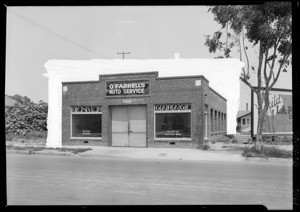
(170, 154)
(218, 152)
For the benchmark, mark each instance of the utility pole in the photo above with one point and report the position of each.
(123, 53)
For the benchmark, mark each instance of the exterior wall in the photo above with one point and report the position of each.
(217, 113)
(162, 91)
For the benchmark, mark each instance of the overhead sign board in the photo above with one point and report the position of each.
(279, 117)
(126, 88)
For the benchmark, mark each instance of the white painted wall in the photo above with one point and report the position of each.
(223, 76)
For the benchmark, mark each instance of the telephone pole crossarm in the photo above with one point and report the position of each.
(123, 53)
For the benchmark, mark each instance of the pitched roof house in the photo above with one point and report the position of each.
(243, 119)
(9, 103)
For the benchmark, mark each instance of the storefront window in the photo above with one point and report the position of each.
(173, 121)
(173, 125)
(86, 122)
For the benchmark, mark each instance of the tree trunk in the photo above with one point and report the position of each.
(263, 105)
(259, 139)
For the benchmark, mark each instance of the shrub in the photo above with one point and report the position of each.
(266, 152)
(26, 116)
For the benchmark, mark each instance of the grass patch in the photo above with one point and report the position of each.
(74, 151)
(33, 148)
(277, 140)
(28, 136)
(267, 152)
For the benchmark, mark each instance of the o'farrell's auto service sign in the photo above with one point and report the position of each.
(127, 88)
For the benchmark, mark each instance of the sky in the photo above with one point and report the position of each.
(35, 35)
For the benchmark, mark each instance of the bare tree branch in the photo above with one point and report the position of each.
(273, 59)
(265, 68)
(273, 74)
(245, 52)
(285, 57)
(260, 59)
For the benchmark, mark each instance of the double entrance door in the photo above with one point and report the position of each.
(128, 126)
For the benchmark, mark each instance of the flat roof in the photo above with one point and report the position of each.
(126, 74)
(139, 73)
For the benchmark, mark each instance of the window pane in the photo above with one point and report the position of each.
(173, 125)
(244, 122)
(86, 125)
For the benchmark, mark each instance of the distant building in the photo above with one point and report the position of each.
(9, 103)
(243, 119)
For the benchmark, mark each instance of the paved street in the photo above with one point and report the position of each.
(63, 180)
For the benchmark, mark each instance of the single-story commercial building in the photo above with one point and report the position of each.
(142, 110)
(141, 103)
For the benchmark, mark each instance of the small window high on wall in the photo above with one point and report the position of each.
(172, 121)
(86, 122)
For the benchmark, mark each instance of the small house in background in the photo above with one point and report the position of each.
(9, 103)
(243, 119)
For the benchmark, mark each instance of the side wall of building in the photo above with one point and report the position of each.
(216, 113)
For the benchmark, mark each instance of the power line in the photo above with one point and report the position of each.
(52, 32)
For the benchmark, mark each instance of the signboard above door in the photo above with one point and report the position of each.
(128, 88)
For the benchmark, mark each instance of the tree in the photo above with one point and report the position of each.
(26, 117)
(267, 26)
